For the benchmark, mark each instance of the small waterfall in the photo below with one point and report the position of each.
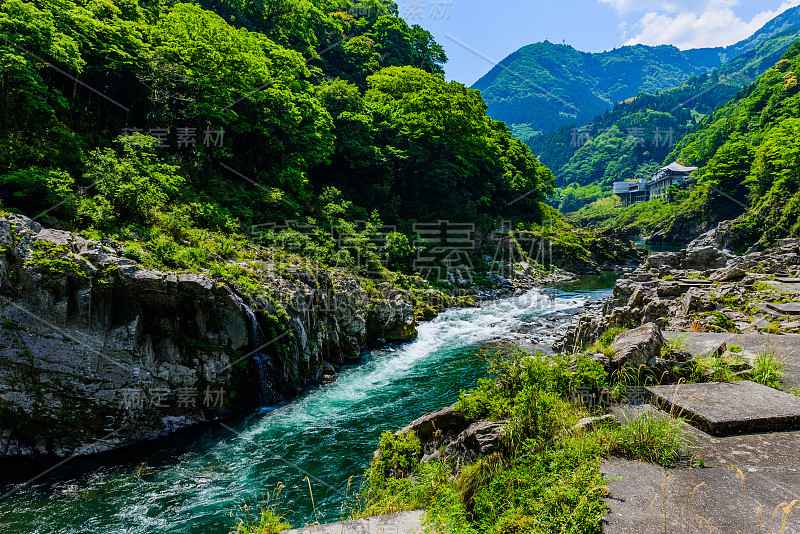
(260, 361)
(264, 391)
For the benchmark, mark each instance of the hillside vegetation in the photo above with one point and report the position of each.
(635, 138)
(174, 125)
(749, 169)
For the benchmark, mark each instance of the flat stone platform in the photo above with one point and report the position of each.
(789, 308)
(644, 496)
(399, 523)
(728, 408)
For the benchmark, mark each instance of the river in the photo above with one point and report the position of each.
(193, 482)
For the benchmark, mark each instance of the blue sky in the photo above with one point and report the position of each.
(474, 32)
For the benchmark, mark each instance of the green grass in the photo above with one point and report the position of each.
(268, 522)
(678, 343)
(712, 368)
(544, 478)
(606, 341)
(758, 285)
(653, 439)
(724, 322)
(768, 369)
(262, 518)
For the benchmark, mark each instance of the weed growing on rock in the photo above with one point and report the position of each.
(768, 369)
(545, 475)
(654, 439)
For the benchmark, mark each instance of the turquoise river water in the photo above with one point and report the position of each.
(195, 482)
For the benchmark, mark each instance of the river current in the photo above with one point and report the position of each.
(195, 482)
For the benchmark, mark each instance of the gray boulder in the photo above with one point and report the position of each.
(447, 420)
(718, 237)
(731, 274)
(636, 347)
(663, 259)
(693, 301)
(482, 437)
(702, 258)
(582, 334)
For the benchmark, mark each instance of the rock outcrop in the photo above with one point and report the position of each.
(447, 421)
(479, 438)
(97, 352)
(635, 348)
(701, 289)
(451, 433)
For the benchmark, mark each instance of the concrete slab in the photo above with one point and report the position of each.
(789, 308)
(644, 496)
(728, 408)
(784, 286)
(767, 461)
(400, 523)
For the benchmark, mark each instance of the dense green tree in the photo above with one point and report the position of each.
(242, 113)
(132, 186)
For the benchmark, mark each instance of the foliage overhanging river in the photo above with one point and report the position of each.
(192, 483)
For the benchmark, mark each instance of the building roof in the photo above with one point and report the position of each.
(677, 167)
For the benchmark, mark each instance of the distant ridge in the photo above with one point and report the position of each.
(544, 85)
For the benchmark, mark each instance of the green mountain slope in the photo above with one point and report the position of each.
(749, 158)
(636, 137)
(547, 85)
(543, 86)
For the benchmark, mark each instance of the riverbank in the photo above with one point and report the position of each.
(516, 439)
(329, 431)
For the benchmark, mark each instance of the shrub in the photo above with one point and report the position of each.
(723, 321)
(397, 455)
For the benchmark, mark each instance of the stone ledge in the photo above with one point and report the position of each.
(399, 523)
(728, 408)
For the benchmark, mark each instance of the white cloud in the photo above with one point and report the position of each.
(712, 23)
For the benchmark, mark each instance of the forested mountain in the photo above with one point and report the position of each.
(749, 158)
(543, 86)
(635, 138)
(162, 120)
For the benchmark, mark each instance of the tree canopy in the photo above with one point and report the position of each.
(224, 114)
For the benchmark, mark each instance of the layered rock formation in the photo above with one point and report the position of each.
(702, 289)
(97, 352)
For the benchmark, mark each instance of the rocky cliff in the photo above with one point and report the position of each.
(97, 352)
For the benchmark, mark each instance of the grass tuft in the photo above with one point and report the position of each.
(653, 439)
(768, 369)
(264, 518)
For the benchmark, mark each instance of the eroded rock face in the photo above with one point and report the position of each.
(481, 438)
(450, 433)
(582, 334)
(390, 317)
(97, 352)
